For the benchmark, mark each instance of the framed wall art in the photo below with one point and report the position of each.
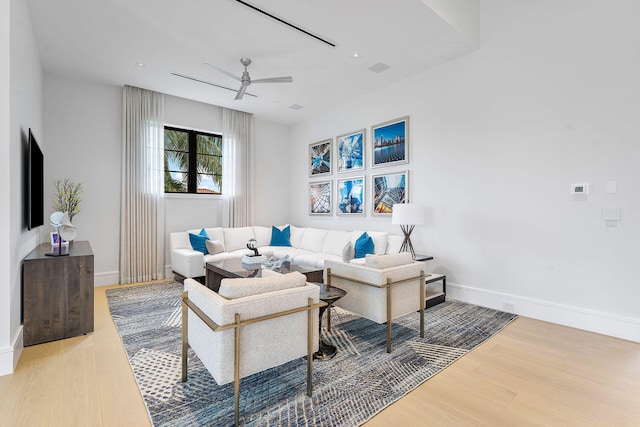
(390, 142)
(320, 198)
(350, 151)
(320, 158)
(351, 196)
(388, 189)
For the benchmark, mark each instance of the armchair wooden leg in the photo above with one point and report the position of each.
(310, 348)
(389, 315)
(422, 303)
(185, 334)
(236, 379)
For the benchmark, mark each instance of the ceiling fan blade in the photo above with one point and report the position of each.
(287, 79)
(241, 91)
(223, 71)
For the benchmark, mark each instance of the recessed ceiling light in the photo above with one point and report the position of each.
(356, 56)
(139, 64)
(275, 100)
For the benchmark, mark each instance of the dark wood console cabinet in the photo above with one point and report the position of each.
(57, 293)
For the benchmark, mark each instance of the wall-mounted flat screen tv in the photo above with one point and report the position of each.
(35, 184)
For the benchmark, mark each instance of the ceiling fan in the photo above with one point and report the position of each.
(245, 80)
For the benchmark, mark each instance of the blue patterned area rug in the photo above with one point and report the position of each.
(360, 381)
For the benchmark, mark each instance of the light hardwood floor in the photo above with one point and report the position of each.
(531, 373)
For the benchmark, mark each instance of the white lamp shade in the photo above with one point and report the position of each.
(407, 213)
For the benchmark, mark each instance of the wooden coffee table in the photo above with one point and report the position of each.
(233, 269)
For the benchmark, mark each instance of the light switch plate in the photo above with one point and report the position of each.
(612, 187)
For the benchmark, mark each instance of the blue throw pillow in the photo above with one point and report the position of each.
(363, 246)
(280, 238)
(199, 241)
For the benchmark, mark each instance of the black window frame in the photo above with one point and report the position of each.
(192, 172)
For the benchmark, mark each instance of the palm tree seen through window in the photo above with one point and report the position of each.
(192, 161)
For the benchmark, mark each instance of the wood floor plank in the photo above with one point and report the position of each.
(531, 373)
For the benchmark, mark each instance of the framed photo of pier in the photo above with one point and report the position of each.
(390, 142)
(350, 198)
(387, 190)
(320, 197)
(320, 158)
(350, 151)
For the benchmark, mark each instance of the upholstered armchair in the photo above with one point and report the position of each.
(250, 325)
(384, 288)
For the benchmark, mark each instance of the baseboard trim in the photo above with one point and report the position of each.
(113, 277)
(614, 325)
(9, 356)
(106, 278)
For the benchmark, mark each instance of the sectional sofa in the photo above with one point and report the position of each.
(308, 246)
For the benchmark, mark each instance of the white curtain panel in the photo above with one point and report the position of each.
(237, 170)
(142, 204)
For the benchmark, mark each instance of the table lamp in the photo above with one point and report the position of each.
(407, 215)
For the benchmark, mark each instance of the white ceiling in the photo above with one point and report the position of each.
(102, 40)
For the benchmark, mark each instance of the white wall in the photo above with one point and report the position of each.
(20, 109)
(497, 136)
(83, 123)
(6, 263)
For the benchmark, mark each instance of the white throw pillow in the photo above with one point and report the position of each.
(262, 235)
(335, 242)
(348, 252)
(238, 288)
(388, 261)
(214, 246)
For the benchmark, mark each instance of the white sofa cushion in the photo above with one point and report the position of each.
(296, 236)
(262, 235)
(216, 233)
(387, 261)
(283, 251)
(313, 239)
(239, 288)
(314, 259)
(335, 242)
(237, 238)
(395, 243)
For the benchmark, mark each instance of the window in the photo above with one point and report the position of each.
(192, 161)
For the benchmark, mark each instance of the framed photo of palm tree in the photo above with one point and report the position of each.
(387, 190)
(390, 142)
(350, 151)
(320, 195)
(320, 158)
(351, 196)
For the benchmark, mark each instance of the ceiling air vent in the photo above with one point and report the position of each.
(379, 67)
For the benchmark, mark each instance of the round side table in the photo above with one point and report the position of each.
(329, 295)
